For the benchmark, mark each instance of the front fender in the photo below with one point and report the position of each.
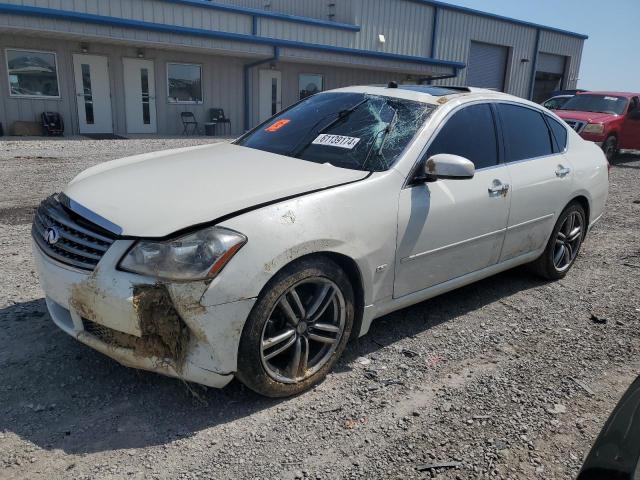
(357, 220)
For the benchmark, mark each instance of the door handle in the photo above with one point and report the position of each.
(498, 188)
(562, 171)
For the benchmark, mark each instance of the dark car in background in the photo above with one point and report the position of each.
(556, 102)
(610, 119)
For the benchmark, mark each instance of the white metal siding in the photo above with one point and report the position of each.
(406, 25)
(457, 30)
(341, 11)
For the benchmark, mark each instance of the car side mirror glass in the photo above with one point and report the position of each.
(447, 166)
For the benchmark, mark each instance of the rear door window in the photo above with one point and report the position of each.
(469, 133)
(526, 134)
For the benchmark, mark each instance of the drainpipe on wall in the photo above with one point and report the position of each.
(434, 38)
(246, 68)
(534, 65)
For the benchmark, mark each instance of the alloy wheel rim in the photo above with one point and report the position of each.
(303, 330)
(568, 241)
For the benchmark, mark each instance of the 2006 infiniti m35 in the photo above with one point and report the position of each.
(260, 259)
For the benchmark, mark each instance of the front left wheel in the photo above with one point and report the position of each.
(297, 329)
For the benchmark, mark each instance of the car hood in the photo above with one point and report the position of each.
(589, 117)
(156, 194)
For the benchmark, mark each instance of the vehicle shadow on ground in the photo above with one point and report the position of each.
(423, 316)
(622, 161)
(59, 394)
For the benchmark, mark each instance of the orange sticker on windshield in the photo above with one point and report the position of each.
(274, 127)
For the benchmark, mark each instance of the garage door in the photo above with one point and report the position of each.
(487, 65)
(551, 63)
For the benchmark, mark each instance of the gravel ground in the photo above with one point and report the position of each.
(508, 378)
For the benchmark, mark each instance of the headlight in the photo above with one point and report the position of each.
(594, 128)
(195, 256)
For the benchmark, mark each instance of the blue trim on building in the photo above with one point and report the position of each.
(534, 65)
(255, 12)
(471, 11)
(238, 37)
(245, 85)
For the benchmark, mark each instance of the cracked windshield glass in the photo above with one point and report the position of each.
(348, 130)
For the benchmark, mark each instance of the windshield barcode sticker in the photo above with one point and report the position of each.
(336, 141)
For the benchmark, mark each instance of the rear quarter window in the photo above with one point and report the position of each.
(559, 134)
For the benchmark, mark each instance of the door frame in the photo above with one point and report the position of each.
(75, 91)
(409, 185)
(155, 90)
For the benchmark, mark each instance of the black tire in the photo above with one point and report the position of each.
(545, 266)
(251, 359)
(610, 148)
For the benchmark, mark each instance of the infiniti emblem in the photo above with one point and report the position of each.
(51, 235)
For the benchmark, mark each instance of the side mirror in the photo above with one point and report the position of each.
(447, 166)
(635, 114)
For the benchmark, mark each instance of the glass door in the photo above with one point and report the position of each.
(270, 95)
(140, 95)
(93, 93)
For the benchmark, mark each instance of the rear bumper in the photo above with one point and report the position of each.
(106, 298)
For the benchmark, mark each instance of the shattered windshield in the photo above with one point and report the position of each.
(348, 130)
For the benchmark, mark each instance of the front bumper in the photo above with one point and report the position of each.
(82, 303)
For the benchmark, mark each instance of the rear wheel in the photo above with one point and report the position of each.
(297, 329)
(564, 244)
(610, 148)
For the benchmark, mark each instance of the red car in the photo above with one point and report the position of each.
(611, 119)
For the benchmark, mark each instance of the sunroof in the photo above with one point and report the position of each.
(433, 90)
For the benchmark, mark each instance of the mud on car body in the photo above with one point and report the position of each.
(261, 259)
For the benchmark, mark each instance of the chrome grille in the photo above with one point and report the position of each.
(61, 236)
(577, 125)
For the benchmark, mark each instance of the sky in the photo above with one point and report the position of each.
(611, 55)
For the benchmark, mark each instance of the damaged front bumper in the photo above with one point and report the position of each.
(164, 328)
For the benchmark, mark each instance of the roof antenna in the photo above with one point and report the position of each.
(392, 84)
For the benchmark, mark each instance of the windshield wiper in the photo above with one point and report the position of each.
(342, 114)
(385, 134)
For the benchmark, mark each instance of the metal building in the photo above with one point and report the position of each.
(134, 66)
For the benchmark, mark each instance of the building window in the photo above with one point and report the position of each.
(184, 83)
(310, 83)
(32, 73)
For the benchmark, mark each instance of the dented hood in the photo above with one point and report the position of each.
(156, 194)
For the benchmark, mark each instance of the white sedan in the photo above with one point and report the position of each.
(260, 259)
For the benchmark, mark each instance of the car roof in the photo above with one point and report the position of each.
(435, 95)
(613, 94)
